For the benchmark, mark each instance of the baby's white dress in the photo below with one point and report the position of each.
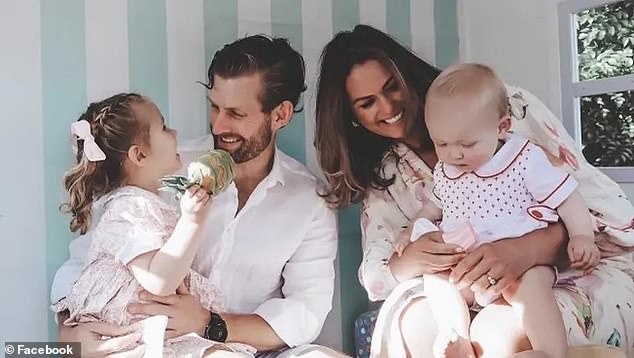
(514, 193)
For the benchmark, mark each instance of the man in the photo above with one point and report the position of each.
(270, 240)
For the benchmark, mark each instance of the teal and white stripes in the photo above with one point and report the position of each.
(64, 97)
(286, 21)
(398, 21)
(446, 31)
(422, 22)
(22, 228)
(105, 28)
(186, 64)
(147, 51)
(59, 55)
(254, 17)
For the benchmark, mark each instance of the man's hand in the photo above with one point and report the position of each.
(93, 346)
(184, 311)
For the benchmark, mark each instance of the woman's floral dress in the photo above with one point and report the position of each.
(597, 308)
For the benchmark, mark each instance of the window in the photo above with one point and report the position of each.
(597, 81)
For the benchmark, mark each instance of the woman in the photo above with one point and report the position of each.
(373, 146)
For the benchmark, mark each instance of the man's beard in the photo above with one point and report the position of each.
(252, 147)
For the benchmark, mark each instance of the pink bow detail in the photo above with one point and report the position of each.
(81, 129)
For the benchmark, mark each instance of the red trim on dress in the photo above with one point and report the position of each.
(508, 166)
(534, 216)
(557, 188)
(448, 177)
(433, 192)
(488, 176)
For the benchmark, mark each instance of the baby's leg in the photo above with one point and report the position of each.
(451, 314)
(153, 334)
(534, 302)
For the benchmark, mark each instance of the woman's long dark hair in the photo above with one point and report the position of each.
(351, 156)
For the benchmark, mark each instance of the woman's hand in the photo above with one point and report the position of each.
(119, 345)
(503, 262)
(429, 254)
(500, 262)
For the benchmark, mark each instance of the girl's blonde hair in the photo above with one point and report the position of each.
(115, 128)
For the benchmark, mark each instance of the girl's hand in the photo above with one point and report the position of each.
(583, 253)
(195, 204)
(428, 254)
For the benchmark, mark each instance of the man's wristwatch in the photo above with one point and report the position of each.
(216, 329)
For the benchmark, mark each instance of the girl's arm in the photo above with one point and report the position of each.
(431, 212)
(161, 271)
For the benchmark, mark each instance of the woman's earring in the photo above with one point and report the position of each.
(355, 123)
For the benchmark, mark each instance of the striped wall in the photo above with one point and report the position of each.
(57, 56)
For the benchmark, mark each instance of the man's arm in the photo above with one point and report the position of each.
(186, 315)
(296, 319)
(252, 329)
(308, 289)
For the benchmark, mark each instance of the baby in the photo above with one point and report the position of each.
(492, 185)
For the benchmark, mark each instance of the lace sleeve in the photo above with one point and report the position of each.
(132, 226)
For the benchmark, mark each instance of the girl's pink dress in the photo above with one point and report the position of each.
(129, 222)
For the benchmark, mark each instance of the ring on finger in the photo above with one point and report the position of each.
(492, 280)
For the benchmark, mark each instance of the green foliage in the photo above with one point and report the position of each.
(605, 42)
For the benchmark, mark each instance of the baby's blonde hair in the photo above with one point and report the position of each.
(471, 81)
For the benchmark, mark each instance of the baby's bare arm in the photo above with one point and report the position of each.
(430, 212)
(575, 215)
(582, 251)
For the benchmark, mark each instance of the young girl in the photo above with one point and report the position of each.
(123, 150)
(492, 185)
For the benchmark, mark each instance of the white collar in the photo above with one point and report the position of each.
(277, 173)
(501, 161)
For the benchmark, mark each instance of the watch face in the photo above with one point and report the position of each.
(217, 329)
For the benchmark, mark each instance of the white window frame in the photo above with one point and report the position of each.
(572, 89)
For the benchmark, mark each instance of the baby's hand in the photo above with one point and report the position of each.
(195, 204)
(402, 240)
(583, 253)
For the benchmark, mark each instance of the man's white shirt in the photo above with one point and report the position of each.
(274, 258)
